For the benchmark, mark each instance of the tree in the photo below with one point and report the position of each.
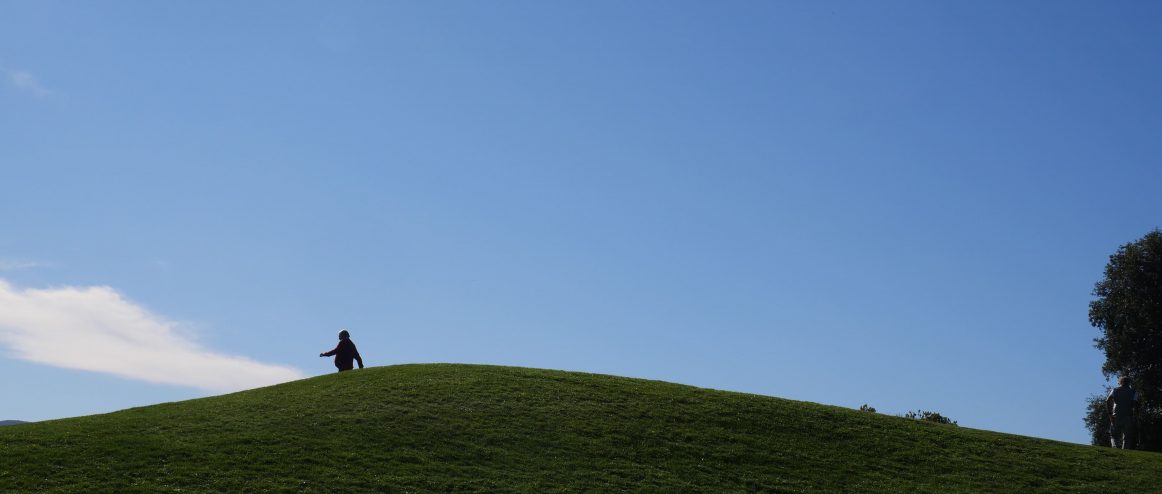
(1128, 313)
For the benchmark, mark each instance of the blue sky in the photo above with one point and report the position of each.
(904, 204)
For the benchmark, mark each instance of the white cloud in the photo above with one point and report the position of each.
(27, 82)
(96, 329)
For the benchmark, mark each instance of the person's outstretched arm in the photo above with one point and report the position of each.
(330, 353)
(357, 357)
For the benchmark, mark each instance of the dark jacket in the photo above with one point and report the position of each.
(344, 353)
(1121, 401)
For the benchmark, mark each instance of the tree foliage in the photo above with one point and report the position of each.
(1097, 420)
(1128, 313)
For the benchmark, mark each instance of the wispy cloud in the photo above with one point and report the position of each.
(25, 81)
(96, 329)
(15, 264)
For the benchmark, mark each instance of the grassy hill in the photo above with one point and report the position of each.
(461, 428)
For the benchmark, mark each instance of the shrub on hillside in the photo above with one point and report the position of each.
(1097, 419)
(927, 416)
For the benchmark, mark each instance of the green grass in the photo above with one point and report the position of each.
(462, 428)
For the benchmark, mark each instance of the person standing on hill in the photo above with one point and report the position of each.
(344, 352)
(1121, 403)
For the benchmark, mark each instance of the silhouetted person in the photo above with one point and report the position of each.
(1121, 406)
(344, 352)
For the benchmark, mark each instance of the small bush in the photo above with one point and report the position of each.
(927, 416)
(866, 408)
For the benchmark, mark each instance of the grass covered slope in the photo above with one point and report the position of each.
(461, 428)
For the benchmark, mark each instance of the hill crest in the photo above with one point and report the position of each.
(470, 428)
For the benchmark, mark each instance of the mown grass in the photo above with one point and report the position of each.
(461, 428)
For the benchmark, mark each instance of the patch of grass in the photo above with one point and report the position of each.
(461, 428)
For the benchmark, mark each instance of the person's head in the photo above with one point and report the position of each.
(1124, 381)
(343, 335)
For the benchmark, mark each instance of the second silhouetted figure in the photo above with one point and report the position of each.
(344, 352)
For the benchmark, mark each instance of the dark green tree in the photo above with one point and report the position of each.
(1128, 313)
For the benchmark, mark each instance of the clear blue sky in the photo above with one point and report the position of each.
(904, 204)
